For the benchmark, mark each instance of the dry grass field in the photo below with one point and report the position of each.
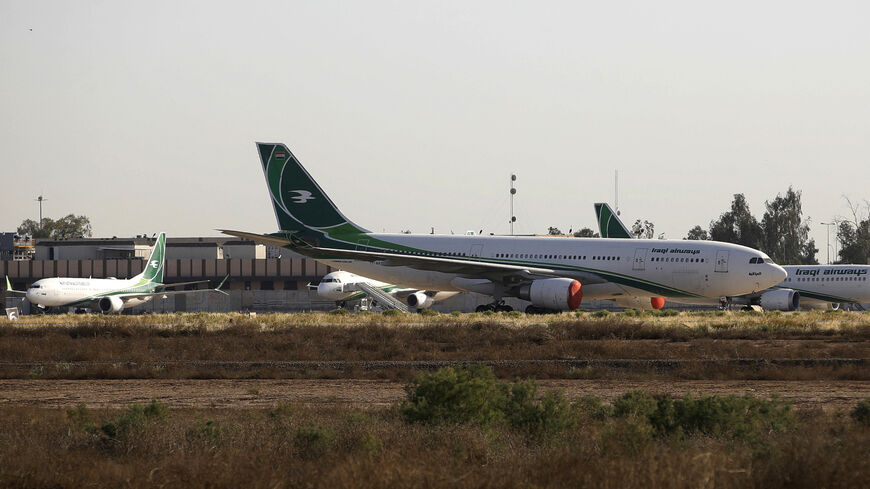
(312, 400)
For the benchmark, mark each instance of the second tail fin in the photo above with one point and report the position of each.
(156, 262)
(609, 224)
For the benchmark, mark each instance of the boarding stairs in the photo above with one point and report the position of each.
(384, 299)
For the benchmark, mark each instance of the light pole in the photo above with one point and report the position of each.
(513, 192)
(828, 250)
(40, 199)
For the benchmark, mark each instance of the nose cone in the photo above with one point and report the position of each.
(777, 274)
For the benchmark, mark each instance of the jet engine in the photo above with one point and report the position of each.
(112, 305)
(420, 300)
(553, 293)
(780, 300)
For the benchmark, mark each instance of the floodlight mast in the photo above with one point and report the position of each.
(513, 192)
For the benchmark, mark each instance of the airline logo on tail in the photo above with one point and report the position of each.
(302, 196)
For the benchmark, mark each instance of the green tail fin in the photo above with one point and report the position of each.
(154, 266)
(609, 224)
(301, 206)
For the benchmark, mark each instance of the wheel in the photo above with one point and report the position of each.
(504, 308)
(482, 308)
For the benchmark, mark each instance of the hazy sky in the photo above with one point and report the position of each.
(143, 115)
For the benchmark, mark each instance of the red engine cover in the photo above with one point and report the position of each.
(575, 295)
(657, 302)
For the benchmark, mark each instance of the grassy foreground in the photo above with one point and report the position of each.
(709, 345)
(291, 446)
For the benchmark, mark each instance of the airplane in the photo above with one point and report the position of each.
(805, 286)
(341, 286)
(554, 274)
(110, 295)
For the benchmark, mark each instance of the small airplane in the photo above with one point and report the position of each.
(343, 287)
(805, 286)
(553, 274)
(109, 295)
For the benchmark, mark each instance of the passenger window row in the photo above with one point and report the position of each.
(827, 279)
(677, 260)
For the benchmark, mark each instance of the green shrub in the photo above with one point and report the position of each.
(601, 314)
(454, 396)
(209, 431)
(665, 312)
(634, 404)
(79, 417)
(717, 416)
(429, 312)
(861, 413)
(475, 396)
(456, 313)
(392, 312)
(313, 440)
(134, 419)
(548, 415)
(592, 407)
(633, 313)
(339, 311)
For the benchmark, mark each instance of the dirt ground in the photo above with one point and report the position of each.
(827, 395)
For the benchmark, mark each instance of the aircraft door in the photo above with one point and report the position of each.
(362, 244)
(639, 259)
(476, 250)
(722, 261)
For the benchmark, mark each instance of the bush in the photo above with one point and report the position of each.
(339, 312)
(548, 415)
(634, 404)
(475, 396)
(861, 413)
(313, 440)
(136, 417)
(392, 312)
(79, 417)
(454, 396)
(601, 314)
(592, 407)
(428, 312)
(729, 416)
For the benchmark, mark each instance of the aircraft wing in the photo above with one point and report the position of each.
(258, 238)
(470, 268)
(134, 295)
(467, 267)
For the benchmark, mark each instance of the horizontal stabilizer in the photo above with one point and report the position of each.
(258, 238)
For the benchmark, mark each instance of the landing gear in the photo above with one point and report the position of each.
(498, 306)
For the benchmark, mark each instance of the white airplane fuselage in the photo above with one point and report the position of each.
(62, 291)
(644, 267)
(820, 285)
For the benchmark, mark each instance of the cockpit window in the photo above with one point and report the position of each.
(768, 260)
(34, 286)
(753, 260)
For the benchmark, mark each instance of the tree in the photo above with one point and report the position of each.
(854, 236)
(554, 231)
(698, 233)
(644, 229)
(586, 233)
(31, 227)
(68, 227)
(786, 234)
(738, 225)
